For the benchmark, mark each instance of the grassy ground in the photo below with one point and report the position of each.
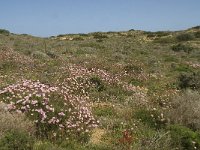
(115, 90)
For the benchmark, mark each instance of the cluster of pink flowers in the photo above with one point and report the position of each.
(57, 106)
(8, 54)
(140, 92)
(79, 71)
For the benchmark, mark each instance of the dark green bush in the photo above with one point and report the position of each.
(197, 34)
(133, 69)
(136, 82)
(189, 80)
(83, 34)
(196, 27)
(5, 32)
(182, 68)
(61, 35)
(181, 47)
(131, 30)
(170, 58)
(52, 54)
(99, 36)
(16, 140)
(162, 33)
(104, 111)
(150, 118)
(39, 55)
(99, 85)
(185, 37)
(164, 40)
(184, 138)
(78, 39)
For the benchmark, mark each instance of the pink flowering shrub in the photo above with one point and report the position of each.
(56, 110)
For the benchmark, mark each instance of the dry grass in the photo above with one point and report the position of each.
(96, 136)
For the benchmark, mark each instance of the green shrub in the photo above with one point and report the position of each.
(83, 35)
(5, 32)
(150, 118)
(104, 111)
(196, 27)
(189, 80)
(197, 34)
(182, 68)
(170, 58)
(99, 36)
(136, 82)
(71, 145)
(45, 146)
(184, 138)
(185, 110)
(164, 40)
(159, 140)
(78, 39)
(181, 47)
(99, 85)
(132, 69)
(52, 54)
(8, 65)
(61, 35)
(184, 37)
(39, 55)
(16, 140)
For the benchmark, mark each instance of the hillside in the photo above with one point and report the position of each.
(105, 90)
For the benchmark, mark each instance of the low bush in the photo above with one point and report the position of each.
(164, 40)
(197, 34)
(98, 83)
(182, 47)
(71, 145)
(52, 54)
(196, 27)
(16, 140)
(45, 146)
(8, 65)
(5, 32)
(62, 35)
(99, 36)
(185, 37)
(185, 109)
(136, 82)
(132, 69)
(182, 68)
(189, 80)
(39, 55)
(184, 138)
(105, 111)
(170, 58)
(14, 121)
(150, 118)
(78, 39)
(159, 140)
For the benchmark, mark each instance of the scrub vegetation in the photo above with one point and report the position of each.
(101, 91)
